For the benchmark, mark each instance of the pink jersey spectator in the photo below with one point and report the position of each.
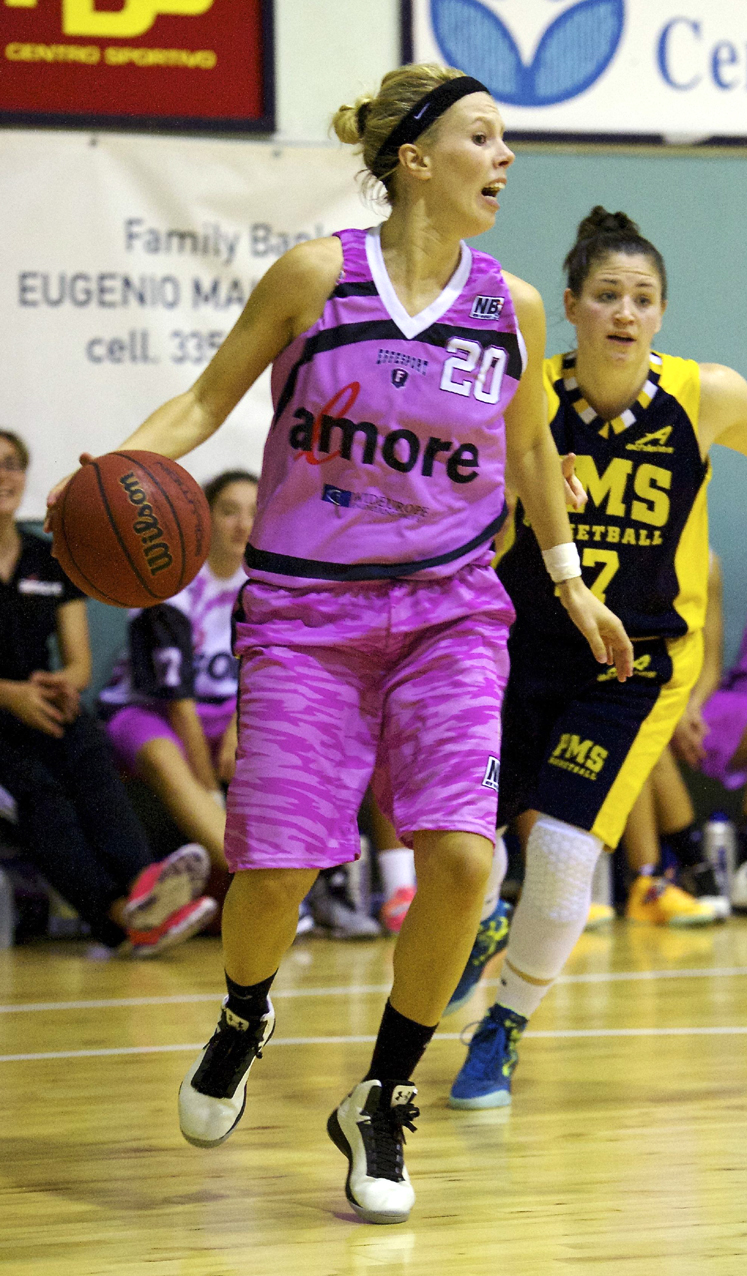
(386, 455)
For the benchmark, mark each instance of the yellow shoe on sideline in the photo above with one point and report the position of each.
(656, 901)
(599, 915)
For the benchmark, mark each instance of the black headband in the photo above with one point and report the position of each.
(426, 111)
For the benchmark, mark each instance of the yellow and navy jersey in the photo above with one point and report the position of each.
(643, 535)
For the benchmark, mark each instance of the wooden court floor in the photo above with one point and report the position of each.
(625, 1151)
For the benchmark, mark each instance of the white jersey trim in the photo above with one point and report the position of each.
(412, 325)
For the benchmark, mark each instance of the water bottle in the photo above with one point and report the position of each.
(720, 846)
(7, 911)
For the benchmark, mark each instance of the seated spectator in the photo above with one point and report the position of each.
(73, 814)
(722, 753)
(170, 706)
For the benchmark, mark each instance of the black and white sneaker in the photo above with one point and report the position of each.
(212, 1096)
(368, 1128)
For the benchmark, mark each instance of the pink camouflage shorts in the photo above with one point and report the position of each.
(397, 684)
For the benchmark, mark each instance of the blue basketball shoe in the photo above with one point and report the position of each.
(492, 938)
(484, 1080)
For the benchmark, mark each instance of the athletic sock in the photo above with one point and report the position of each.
(687, 846)
(399, 1047)
(248, 1001)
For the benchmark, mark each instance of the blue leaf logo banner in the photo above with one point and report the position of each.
(574, 51)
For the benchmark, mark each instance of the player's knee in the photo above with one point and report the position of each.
(273, 891)
(456, 863)
(560, 864)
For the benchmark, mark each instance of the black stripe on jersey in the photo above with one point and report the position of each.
(439, 334)
(366, 288)
(315, 569)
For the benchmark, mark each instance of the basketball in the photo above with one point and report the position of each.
(131, 528)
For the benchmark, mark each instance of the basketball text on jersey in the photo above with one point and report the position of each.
(582, 757)
(490, 779)
(487, 307)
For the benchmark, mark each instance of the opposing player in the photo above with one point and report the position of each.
(578, 746)
(372, 631)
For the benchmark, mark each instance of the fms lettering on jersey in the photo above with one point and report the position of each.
(625, 490)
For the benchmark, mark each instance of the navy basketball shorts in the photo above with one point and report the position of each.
(578, 744)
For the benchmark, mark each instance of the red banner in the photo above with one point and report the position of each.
(170, 63)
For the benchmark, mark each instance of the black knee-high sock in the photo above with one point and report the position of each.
(687, 845)
(399, 1047)
(249, 1001)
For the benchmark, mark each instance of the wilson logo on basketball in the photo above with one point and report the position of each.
(156, 550)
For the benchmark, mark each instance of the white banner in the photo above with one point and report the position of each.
(671, 67)
(125, 262)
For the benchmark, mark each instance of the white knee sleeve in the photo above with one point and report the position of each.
(555, 898)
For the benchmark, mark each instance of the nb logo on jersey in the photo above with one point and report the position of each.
(490, 779)
(582, 757)
(487, 307)
(655, 442)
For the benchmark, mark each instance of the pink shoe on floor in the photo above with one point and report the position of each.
(394, 911)
(182, 924)
(166, 886)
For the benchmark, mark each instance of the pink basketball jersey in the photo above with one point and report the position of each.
(386, 454)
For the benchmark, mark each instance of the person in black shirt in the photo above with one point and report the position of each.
(55, 762)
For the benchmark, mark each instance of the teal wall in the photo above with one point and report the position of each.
(693, 206)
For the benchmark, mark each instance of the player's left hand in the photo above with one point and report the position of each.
(689, 734)
(575, 496)
(601, 628)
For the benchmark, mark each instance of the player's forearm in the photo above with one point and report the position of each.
(175, 428)
(536, 475)
(185, 722)
(78, 672)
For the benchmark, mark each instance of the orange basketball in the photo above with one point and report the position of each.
(131, 528)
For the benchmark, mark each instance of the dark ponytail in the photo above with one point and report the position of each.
(602, 233)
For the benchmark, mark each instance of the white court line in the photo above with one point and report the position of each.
(359, 990)
(561, 1034)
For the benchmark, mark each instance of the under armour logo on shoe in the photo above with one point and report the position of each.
(402, 1094)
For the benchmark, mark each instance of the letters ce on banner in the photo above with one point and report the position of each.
(181, 64)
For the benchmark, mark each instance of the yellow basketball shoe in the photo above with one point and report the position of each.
(599, 915)
(656, 901)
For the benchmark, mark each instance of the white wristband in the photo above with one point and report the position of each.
(562, 562)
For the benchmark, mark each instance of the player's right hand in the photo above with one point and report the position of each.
(601, 628)
(56, 492)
